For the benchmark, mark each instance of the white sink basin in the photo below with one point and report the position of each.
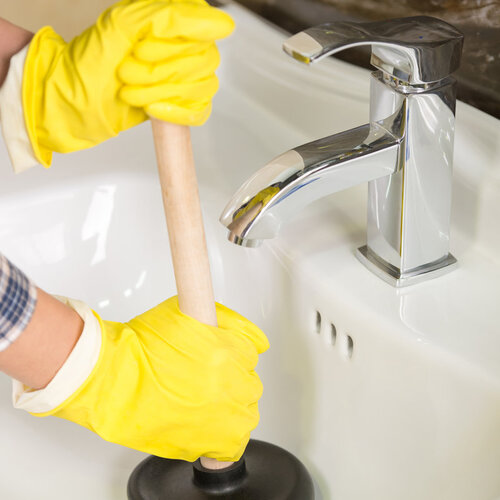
(404, 405)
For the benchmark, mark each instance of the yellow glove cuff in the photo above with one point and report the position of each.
(37, 64)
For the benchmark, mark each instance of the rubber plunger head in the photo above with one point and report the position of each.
(265, 472)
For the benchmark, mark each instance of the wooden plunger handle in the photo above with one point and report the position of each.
(188, 246)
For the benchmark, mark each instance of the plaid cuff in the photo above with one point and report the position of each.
(17, 302)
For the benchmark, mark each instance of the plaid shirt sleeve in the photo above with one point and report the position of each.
(17, 302)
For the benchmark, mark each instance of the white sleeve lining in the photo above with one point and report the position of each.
(14, 129)
(74, 371)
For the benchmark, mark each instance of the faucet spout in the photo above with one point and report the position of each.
(304, 174)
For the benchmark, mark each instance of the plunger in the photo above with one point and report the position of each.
(266, 471)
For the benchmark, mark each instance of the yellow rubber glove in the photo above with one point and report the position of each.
(142, 57)
(173, 387)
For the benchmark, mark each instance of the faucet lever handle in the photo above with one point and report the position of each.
(417, 49)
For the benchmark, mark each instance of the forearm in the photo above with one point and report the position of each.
(36, 353)
(12, 39)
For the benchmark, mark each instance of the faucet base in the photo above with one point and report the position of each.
(395, 277)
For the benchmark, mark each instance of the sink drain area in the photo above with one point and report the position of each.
(333, 336)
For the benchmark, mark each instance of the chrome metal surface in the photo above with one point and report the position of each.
(292, 180)
(416, 50)
(395, 277)
(405, 153)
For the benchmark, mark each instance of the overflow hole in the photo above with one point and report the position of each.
(350, 346)
(318, 322)
(333, 334)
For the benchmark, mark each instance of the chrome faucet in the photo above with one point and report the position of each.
(405, 153)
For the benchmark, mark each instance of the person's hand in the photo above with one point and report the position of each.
(142, 57)
(173, 387)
